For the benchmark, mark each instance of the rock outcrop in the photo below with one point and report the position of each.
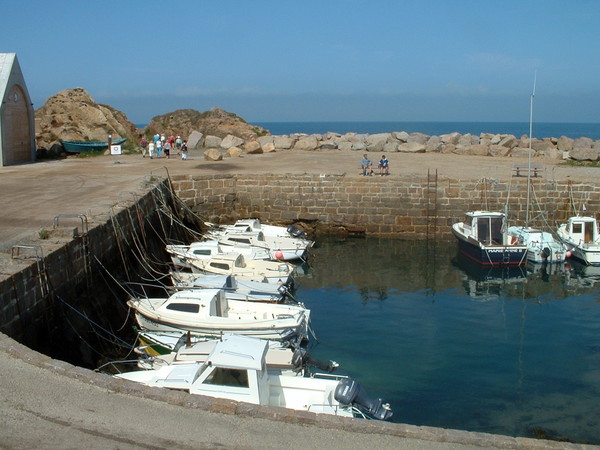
(216, 122)
(73, 115)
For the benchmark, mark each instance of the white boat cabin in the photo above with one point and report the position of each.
(583, 230)
(485, 227)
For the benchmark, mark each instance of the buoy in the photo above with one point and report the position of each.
(568, 253)
(279, 254)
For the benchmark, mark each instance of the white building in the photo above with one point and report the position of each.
(17, 121)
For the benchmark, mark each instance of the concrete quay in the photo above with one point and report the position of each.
(48, 403)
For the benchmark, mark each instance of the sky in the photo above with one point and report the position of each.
(326, 60)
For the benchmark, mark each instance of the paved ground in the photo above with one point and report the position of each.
(43, 404)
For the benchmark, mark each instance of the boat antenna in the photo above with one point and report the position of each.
(529, 153)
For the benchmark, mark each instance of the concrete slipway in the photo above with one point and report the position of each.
(48, 403)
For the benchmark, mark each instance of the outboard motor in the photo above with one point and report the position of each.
(302, 358)
(349, 392)
(294, 232)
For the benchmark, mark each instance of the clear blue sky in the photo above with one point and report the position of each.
(399, 60)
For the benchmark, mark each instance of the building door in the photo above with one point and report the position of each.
(16, 129)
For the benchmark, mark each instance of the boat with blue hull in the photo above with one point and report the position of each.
(482, 236)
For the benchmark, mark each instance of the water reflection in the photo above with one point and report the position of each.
(511, 351)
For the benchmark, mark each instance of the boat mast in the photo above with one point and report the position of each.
(529, 153)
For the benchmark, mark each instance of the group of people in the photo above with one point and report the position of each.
(367, 166)
(161, 144)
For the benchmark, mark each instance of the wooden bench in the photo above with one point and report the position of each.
(523, 169)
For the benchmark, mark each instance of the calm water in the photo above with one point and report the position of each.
(451, 346)
(540, 130)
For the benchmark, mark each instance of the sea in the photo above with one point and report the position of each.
(540, 130)
(453, 345)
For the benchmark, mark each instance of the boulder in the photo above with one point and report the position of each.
(412, 147)
(268, 147)
(212, 154)
(521, 152)
(584, 153)
(475, 150)
(375, 142)
(252, 147)
(360, 146)
(497, 150)
(564, 144)
(212, 141)
(264, 140)
(402, 136)
(390, 147)
(328, 144)
(306, 143)
(231, 141)
(508, 141)
(582, 142)
(451, 138)
(195, 139)
(419, 138)
(283, 142)
(344, 145)
(233, 152)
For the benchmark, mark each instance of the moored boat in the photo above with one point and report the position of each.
(483, 237)
(236, 370)
(245, 269)
(234, 289)
(582, 238)
(83, 146)
(542, 247)
(207, 312)
(181, 254)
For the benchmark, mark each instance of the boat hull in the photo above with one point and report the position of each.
(83, 146)
(490, 255)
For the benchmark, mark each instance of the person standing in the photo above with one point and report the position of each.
(144, 145)
(151, 149)
(159, 148)
(184, 150)
(178, 143)
(167, 148)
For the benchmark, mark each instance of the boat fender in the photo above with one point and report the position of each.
(349, 392)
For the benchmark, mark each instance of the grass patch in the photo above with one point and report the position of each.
(573, 163)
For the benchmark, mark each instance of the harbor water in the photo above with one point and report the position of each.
(451, 345)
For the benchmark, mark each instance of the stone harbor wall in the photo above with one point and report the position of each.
(485, 144)
(409, 209)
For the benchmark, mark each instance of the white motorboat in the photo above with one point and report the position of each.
(245, 269)
(181, 254)
(281, 356)
(208, 312)
(582, 238)
(280, 248)
(236, 369)
(255, 225)
(542, 247)
(234, 289)
(482, 237)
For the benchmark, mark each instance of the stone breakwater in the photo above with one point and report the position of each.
(485, 144)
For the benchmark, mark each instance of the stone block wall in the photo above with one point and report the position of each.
(378, 206)
(28, 298)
